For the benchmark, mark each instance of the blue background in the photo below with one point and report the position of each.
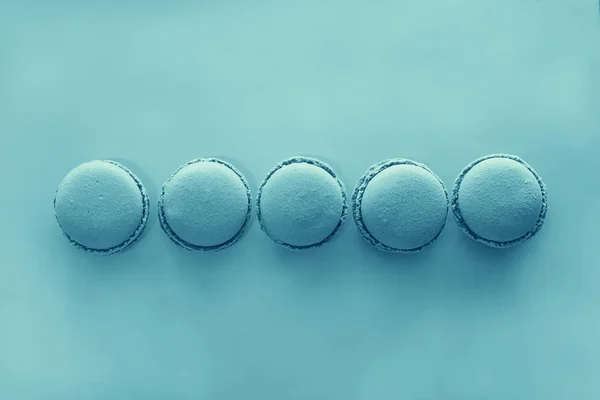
(155, 84)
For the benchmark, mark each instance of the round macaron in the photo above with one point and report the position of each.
(205, 205)
(499, 200)
(400, 206)
(301, 204)
(101, 207)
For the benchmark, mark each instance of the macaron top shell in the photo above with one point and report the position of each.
(301, 203)
(400, 206)
(101, 206)
(205, 205)
(499, 200)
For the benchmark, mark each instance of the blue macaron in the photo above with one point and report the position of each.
(101, 207)
(499, 200)
(301, 204)
(400, 206)
(205, 205)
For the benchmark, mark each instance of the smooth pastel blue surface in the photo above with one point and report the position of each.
(154, 84)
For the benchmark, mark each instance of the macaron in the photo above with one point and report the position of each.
(205, 205)
(301, 204)
(400, 206)
(101, 207)
(499, 200)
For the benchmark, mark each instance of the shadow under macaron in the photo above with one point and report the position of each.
(314, 267)
(483, 273)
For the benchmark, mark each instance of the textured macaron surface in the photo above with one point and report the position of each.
(499, 200)
(205, 204)
(101, 206)
(400, 206)
(301, 203)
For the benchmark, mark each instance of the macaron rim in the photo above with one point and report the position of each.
(164, 224)
(133, 238)
(492, 243)
(358, 194)
(324, 166)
